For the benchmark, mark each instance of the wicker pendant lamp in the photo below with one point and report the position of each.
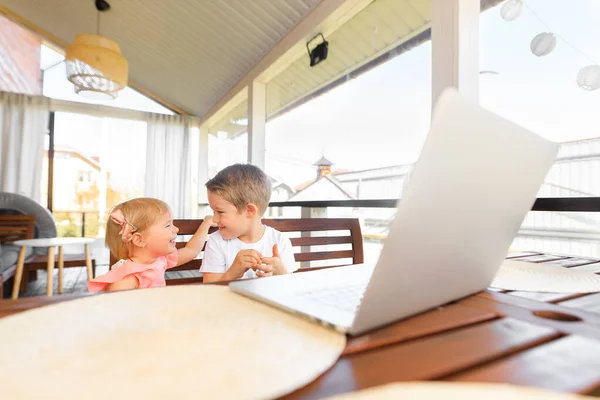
(95, 65)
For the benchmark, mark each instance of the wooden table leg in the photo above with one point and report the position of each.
(88, 263)
(50, 269)
(18, 273)
(61, 264)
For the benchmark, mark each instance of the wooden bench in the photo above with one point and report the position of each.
(303, 232)
(16, 227)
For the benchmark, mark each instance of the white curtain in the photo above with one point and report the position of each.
(24, 123)
(168, 162)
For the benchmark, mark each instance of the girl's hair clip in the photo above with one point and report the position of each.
(127, 228)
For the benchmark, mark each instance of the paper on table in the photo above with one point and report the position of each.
(518, 275)
(462, 391)
(176, 342)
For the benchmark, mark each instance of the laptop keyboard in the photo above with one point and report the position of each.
(346, 298)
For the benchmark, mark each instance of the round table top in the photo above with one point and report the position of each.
(49, 242)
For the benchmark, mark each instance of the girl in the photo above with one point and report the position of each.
(141, 233)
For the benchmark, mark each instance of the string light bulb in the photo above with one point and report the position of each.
(511, 10)
(588, 77)
(543, 44)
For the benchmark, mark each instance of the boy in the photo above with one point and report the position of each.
(243, 247)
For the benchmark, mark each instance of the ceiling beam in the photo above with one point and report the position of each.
(338, 10)
(63, 45)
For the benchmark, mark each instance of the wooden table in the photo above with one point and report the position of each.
(50, 243)
(546, 340)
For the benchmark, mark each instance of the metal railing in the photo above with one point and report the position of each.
(558, 204)
(375, 226)
(76, 226)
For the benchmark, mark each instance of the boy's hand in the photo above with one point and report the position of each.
(261, 274)
(275, 262)
(245, 260)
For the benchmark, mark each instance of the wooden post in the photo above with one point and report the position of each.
(202, 171)
(455, 46)
(257, 116)
(309, 212)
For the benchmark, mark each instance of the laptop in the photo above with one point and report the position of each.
(476, 178)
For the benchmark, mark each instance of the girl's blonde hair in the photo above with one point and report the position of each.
(140, 213)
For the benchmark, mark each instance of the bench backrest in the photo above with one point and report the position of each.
(16, 227)
(305, 228)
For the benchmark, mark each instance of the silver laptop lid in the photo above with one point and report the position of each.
(477, 177)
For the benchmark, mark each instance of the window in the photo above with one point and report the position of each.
(98, 162)
(228, 138)
(224, 150)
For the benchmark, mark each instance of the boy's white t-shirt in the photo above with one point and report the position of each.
(220, 253)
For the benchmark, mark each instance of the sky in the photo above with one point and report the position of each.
(382, 117)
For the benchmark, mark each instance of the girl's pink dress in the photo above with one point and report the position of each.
(152, 275)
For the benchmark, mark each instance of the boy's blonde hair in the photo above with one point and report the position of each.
(242, 184)
(140, 213)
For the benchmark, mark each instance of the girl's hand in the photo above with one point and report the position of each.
(207, 223)
(195, 244)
